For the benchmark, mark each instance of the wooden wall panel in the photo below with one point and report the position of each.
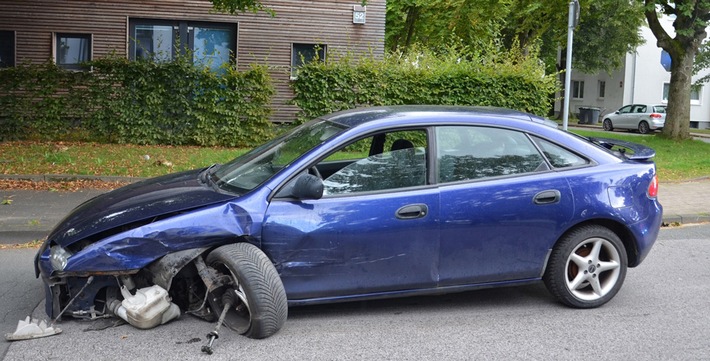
(261, 38)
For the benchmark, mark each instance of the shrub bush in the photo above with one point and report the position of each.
(503, 80)
(140, 102)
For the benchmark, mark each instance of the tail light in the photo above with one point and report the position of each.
(653, 187)
(656, 116)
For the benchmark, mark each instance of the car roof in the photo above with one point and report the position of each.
(361, 116)
(646, 104)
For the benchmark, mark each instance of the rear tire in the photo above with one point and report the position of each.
(261, 307)
(587, 267)
(644, 128)
(608, 126)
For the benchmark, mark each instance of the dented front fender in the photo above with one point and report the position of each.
(136, 248)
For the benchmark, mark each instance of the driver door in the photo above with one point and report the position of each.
(374, 230)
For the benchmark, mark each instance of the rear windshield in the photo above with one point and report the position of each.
(659, 109)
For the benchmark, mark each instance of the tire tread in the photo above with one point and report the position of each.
(262, 284)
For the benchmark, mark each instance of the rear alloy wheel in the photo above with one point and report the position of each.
(607, 125)
(259, 306)
(644, 128)
(587, 267)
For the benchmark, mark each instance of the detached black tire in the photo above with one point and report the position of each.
(587, 267)
(261, 308)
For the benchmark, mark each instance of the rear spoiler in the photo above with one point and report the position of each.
(638, 151)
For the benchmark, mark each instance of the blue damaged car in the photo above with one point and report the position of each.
(362, 204)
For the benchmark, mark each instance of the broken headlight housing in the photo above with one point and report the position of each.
(58, 257)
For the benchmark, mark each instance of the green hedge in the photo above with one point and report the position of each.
(509, 81)
(144, 102)
(139, 102)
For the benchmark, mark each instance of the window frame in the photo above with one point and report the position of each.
(69, 35)
(132, 45)
(577, 91)
(231, 27)
(382, 149)
(12, 42)
(602, 89)
(538, 140)
(698, 90)
(320, 48)
(532, 146)
(184, 36)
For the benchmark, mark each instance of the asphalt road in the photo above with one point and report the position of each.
(661, 313)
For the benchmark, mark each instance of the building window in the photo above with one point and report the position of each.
(695, 93)
(577, 89)
(71, 50)
(602, 89)
(211, 44)
(7, 48)
(153, 41)
(666, 90)
(304, 53)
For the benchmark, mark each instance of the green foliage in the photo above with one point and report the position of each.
(431, 23)
(507, 80)
(39, 100)
(240, 6)
(608, 29)
(140, 102)
(690, 21)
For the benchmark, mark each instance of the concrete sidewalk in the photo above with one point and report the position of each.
(32, 214)
(687, 202)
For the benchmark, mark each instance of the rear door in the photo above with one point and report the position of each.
(501, 206)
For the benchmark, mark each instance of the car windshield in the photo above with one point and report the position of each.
(256, 166)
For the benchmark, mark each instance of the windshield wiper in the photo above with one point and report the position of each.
(206, 174)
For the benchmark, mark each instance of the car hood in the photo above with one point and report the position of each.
(136, 202)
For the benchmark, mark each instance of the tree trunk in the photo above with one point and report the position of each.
(410, 23)
(678, 113)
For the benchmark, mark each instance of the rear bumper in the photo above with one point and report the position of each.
(646, 233)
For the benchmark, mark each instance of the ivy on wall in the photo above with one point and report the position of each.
(139, 102)
(178, 103)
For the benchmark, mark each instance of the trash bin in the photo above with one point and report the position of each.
(589, 115)
(593, 115)
(584, 115)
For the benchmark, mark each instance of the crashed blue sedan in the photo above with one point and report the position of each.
(362, 204)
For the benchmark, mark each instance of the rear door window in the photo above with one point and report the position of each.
(466, 153)
(560, 157)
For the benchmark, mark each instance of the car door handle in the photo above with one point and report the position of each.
(412, 211)
(547, 197)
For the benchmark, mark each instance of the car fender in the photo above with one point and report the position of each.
(136, 248)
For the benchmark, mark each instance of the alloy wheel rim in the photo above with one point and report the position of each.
(593, 269)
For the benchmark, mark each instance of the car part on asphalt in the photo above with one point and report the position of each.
(30, 328)
(148, 308)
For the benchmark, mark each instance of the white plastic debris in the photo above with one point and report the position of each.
(28, 329)
(148, 308)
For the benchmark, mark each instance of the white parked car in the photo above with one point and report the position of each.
(642, 117)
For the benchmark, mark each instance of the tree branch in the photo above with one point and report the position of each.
(663, 39)
(667, 9)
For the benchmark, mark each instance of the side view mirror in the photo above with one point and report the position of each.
(308, 186)
(616, 112)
